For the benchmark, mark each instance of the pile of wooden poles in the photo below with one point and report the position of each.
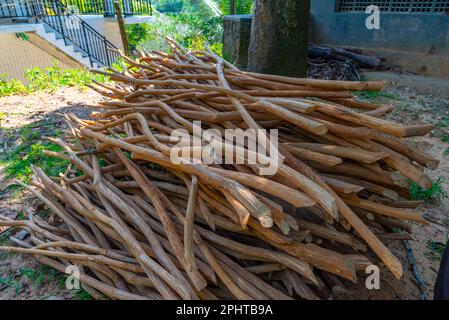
(142, 227)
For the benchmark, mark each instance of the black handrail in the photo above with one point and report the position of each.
(77, 32)
(25, 8)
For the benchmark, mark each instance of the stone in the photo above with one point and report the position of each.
(237, 32)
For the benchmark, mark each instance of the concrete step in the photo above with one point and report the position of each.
(68, 47)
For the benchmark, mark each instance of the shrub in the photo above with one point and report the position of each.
(48, 79)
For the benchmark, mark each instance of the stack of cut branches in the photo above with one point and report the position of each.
(338, 63)
(142, 226)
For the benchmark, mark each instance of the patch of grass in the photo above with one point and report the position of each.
(17, 163)
(82, 295)
(10, 282)
(435, 192)
(28, 133)
(4, 239)
(48, 79)
(376, 94)
(444, 122)
(36, 276)
(21, 216)
(435, 249)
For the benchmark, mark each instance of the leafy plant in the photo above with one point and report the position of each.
(10, 87)
(169, 5)
(189, 30)
(435, 192)
(435, 249)
(48, 79)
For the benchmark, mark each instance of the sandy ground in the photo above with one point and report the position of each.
(20, 276)
(415, 108)
(411, 108)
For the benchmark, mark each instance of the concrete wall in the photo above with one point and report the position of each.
(419, 42)
(17, 55)
(237, 33)
(112, 32)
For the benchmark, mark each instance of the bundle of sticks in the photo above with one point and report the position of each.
(141, 226)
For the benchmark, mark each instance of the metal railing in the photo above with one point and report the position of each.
(25, 8)
(137, 7)
(86, 7)
(64, 21)
(20, 8)
(77, 32)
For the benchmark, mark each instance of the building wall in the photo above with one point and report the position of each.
(112, 32)
(17, 55)
(418, 42)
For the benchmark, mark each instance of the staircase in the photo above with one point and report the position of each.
(75, 36)
(68, 32)
(73, 51)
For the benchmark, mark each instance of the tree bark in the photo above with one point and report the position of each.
(121, 25)
(279, 37)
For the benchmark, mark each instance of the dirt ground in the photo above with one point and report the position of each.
(34, 110)
(42, 113)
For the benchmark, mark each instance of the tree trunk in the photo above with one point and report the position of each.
(231, 7)
(279, 37)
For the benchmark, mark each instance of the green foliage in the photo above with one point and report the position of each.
(4, 238)
(21, 216)
(375, 94)
(191, 31)
(218, 7)
(444, 122)
(208, 29)
(10, 87)
(10, 282)
(38, 276)
(192, 23)
(48, 79)
(435, 249)
(82, 295)
(435, 192)
(446, 152)
(137, 32)
(17, 163)
(169, 5)
(23, 36)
